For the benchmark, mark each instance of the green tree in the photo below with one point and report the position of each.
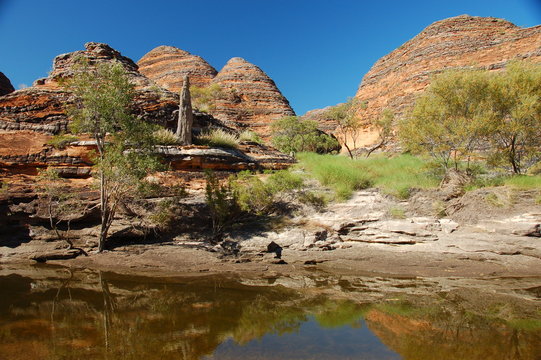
(465, 110)
(384, 127)
(515, 127)
(103, 107)
(292, 134)
(348, 123)
(450, 118)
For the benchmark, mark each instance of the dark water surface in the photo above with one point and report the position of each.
(54, 313)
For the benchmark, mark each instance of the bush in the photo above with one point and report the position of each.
(219, 138)
(165, 137)
(223, 204)
(248, 135)
(204, 98)
(60, 141)
(259, 196)
(293, 134)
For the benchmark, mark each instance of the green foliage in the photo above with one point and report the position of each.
(258, 196)
(223, 204)
(397, 213)
(165, 137)
(218, 138)
(103, 107)
(448, 120)
(292, 134)
(248, 135)
(347, 121)
(395, 176)
(335, 314)
(317, 200)
(336, 172)
(515, 98)
(204, 98)
(464, 110)
(523, 182)
(60, 141)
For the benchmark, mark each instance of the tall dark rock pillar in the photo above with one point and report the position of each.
(185, 114)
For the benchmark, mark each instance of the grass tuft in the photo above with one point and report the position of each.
(219, 138)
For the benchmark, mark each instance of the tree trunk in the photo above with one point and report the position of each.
(185, 115)
(104, 211)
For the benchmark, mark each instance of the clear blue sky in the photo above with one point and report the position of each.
(316, 51)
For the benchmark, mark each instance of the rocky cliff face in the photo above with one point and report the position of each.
(254, 99)
(5, 85)
(398, 78)
(30, 117)
(41, 107)
(167, 66)
(250, 97)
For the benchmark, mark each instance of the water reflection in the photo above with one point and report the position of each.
(51, 313)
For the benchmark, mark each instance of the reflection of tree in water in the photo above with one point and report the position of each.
(447, 330)
(106, 316)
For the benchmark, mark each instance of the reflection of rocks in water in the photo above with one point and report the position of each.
(82, 314)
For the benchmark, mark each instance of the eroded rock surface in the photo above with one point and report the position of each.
(463, 41)
(5, 85)
(255, 100)
(167, 66)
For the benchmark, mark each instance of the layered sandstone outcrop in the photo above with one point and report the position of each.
(29, 118)
(249, 97)
(167, 66)
(5, 85)
(464, 41)
(254, 99)
(41, 107)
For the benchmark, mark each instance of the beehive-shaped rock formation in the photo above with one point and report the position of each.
(398, 78)
(254, 97)
(167, 66)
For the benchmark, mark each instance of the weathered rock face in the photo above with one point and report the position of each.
(254, 99)
(5, 85)
(41, 107)
(167, 66)
(250, 96)
(398, 78)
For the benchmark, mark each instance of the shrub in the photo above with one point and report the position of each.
(259, 196)
(204, 98)
(223, 204)
(165, 137)
(248, 135)
(219, 138)
(60, 141)
(293, 134)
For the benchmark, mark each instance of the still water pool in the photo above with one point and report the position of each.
(55, 313)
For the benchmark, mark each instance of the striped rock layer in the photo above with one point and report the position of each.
(398, 78)
(41, 107)
(250, 97)
(254, 99)
(167, 66)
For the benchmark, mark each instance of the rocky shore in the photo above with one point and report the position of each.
(369, 234)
